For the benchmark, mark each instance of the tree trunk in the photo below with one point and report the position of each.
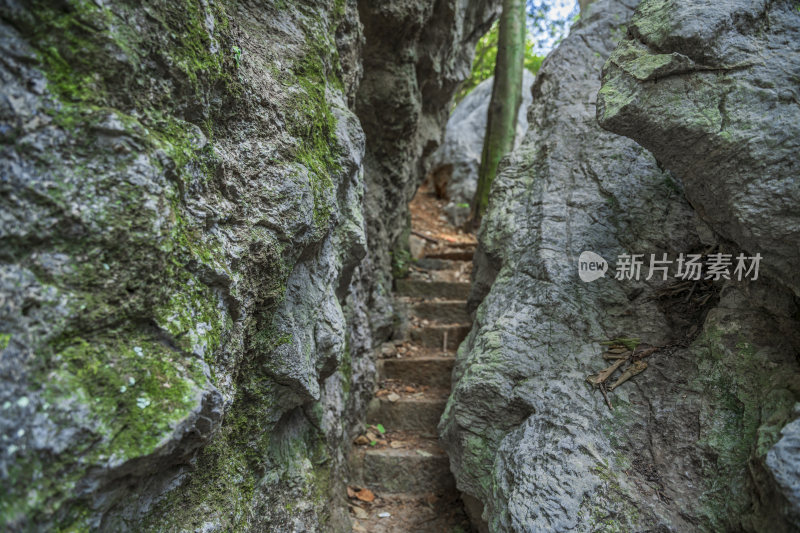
(501, 124)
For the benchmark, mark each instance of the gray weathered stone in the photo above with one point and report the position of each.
(403, 102)
(459, 156)
(711, 89)
(782, 460)
(186, 310)
(172, 301)
(685, 447)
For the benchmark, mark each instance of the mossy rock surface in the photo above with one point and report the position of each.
(700, 440)
(156, 218)
(185, 204)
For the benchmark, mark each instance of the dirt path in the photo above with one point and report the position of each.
(402, 481)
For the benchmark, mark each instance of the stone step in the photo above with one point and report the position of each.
(404, 470)
(407, 414)
(451, 290)
(445, 311)
(415, 512)
(432, 371)
(430, 263)
(434, 335)
(452, 255)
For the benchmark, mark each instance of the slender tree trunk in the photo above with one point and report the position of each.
(501, 124)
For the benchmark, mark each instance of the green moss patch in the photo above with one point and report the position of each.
(90, 56)
(749, 403)
(126, 390)
(609, 509)
(135, 388)
(314, 126)
(126, 365)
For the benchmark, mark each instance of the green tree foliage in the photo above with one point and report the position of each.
(546, 28)
(485, 57)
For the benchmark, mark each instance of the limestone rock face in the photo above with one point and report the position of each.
(785, 468)
(711, 89)
(416, 53)
(184, 267)
(458, 158)
(179, 230)
(686, 446)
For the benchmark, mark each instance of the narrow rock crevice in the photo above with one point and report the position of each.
(398, 458)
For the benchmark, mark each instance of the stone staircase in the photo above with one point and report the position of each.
(407, 470)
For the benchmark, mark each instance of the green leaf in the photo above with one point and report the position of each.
(630, 343)
(381, 428)
(373, 443)
(486, 56)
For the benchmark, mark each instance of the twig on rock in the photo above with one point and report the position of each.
(636, 368)
(423, 236)
(605, 395)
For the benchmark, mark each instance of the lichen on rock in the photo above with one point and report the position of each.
(186, 339)
(143, 231)
(694, 443)
(711, 90)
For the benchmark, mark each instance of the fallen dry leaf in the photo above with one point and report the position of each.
(359, 512)
(351, 492)
(646, 352)
(606, 373)
(361, 440)
(636, 368)
(365, 495)
(410, 389)
(396, 444)
(608, 356)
